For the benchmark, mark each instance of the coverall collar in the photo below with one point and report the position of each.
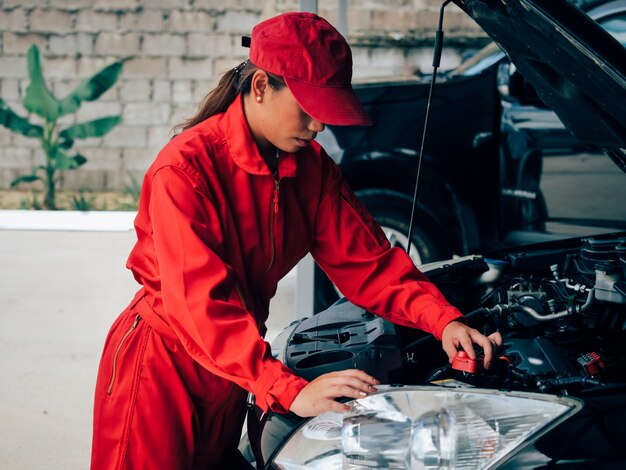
(243, 148)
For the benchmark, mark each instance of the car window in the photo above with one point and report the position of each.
(583, 186)
(616, 26)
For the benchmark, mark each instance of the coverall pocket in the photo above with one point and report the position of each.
(120, 346)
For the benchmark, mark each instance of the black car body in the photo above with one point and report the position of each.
(490, 156)
(560, 306)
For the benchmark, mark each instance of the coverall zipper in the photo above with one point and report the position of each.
(117, 351)
(273, 212)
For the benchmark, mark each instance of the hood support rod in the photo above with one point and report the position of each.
(436, 61)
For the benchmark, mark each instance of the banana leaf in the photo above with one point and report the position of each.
(78, 160)
(62, 161)
(11, 120)
(95, 128)
(38, 98)
(91, 88)
(66, 143)
(24, 179)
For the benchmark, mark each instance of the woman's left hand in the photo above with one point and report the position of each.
(457, 336)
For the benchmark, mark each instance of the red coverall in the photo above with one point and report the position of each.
(216, 232)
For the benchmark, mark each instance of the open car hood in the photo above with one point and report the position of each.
(577, 68)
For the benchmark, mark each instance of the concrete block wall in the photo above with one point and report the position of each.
(174, 51)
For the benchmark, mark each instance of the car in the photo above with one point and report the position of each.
(556, 397)
(499, 167)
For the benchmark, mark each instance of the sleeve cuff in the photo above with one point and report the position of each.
(449, 314)
(277, 389)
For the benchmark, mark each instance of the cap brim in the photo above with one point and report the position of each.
(336, 106)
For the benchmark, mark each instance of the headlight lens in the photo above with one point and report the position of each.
(425, 428)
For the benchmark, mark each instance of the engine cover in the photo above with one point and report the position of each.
(537, 356)
(342, 337)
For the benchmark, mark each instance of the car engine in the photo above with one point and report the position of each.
(561, 312)
(560, 307)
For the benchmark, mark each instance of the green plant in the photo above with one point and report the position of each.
(133, 191)
(83, 201)
(57, 143)
(32, 203)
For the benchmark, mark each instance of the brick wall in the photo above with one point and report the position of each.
(175, 51)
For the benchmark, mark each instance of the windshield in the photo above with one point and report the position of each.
(483, 59)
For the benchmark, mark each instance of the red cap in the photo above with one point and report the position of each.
(316, 63)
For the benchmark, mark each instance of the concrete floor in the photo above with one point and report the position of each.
(59, 293)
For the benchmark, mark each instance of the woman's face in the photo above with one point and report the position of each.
(281, 122)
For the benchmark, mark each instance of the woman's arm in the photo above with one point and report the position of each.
(201, 299)
(352, 249)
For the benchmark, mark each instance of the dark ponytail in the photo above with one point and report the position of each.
(232, 83)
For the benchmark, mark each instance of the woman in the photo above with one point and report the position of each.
(229, 206)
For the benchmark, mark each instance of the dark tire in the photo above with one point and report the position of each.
(392, 211)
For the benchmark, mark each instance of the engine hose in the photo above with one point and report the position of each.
(502, 309)
(477, 317)
(588, 301)
(438, 373)
(567, 381)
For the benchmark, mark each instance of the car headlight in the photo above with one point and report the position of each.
(425, 428)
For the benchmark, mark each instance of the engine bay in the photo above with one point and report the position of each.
(561, 312)
(560, 307)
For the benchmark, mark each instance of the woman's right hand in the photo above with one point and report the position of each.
(319, 395)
